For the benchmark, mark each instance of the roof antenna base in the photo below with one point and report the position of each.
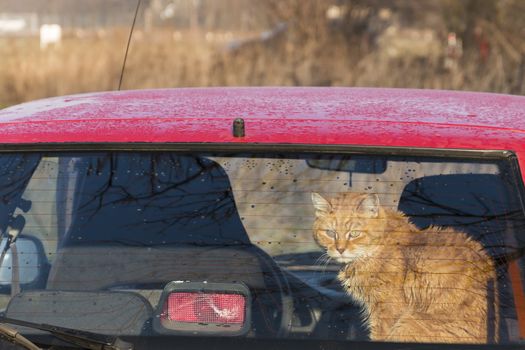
(238, 128)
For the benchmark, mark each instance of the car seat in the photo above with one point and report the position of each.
(484, 207)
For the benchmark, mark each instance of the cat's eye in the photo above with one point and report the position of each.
(354, 233)
(331, 233)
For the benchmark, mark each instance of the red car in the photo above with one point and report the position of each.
(263, 218)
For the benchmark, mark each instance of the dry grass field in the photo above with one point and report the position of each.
(94, 63)
(313, 56)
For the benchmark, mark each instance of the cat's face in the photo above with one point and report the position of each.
(347, 225)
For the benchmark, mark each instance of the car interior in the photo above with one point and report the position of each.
(202, 215)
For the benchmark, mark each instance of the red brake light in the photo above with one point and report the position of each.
(198, 307)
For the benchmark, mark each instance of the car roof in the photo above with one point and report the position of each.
(276, 115)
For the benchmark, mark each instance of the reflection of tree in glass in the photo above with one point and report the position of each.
(15, 173)
(475, 204)
(154, 199)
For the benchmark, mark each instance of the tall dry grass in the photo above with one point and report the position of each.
(163, 59)
(94, 64)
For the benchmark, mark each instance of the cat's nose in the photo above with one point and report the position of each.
(341, 250)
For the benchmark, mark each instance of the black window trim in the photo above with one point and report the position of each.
(257, 148)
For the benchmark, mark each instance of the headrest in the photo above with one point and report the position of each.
(153, 199)
(477, 204)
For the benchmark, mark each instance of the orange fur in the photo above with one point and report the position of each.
(414, 285)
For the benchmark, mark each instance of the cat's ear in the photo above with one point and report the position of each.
(322, 206)
(368, 206)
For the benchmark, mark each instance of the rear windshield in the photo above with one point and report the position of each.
(304, 246)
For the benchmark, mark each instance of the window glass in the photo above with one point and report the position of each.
(294, 245)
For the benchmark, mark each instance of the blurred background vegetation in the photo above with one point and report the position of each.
(446, 44)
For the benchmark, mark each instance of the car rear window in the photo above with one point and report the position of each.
(338, 246)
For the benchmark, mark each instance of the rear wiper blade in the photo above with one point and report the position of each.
(86, 340)
(13, 336)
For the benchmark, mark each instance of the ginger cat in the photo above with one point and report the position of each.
(432, 285)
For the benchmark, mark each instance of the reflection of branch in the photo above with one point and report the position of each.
(18, 169)
(216, 209)
(216, 205)
(506, 253)
(424, 200)
(100, 194)
(128, 196)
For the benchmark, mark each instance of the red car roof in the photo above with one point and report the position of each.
(351, 116)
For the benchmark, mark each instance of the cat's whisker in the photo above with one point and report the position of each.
(321, 259)
(326, 262)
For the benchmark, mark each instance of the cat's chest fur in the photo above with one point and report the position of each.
(369, 281)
